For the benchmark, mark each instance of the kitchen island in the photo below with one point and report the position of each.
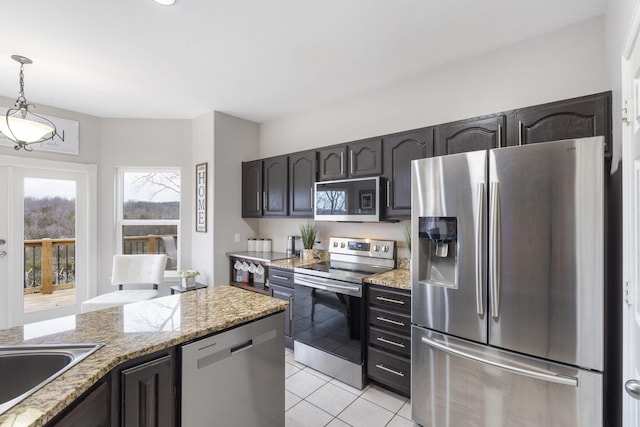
(128, 333)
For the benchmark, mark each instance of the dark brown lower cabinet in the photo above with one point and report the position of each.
(145, 391)
(389, 338)
(92, 409)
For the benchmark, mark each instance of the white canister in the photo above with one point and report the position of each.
(266, 245)
(251, 245)
(259, 245)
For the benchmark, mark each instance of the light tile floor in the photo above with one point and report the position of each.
(315, 399)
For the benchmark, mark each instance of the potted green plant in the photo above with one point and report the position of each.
(308, 233)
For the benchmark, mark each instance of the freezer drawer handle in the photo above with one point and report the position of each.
(395, 301)
(393, 322)
(548, 376)
(393, 371)
(386, 341)
(633, 388)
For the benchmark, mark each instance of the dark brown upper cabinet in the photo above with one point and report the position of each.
(354, 160)
(252, 189)
(274, 186)
(264, 187)
(398, 150)
(572, 118)
(302, 175)
(481, 133)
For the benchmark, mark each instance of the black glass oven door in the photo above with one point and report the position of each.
(329, 321)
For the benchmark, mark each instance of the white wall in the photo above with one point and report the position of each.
(141, 142)
(236, 140)
(564, 64)
(89, 128)
(202, 243)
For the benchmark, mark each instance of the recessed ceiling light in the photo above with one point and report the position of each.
(165, 2)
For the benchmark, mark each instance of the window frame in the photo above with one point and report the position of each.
(120, 222)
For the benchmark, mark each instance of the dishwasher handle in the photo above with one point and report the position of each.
(216, 351)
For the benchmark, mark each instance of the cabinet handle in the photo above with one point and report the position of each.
(395, 301)
(388, 193)
(311, 198)
(275, 276)
(393, 322)
(264, 200)
(291, 308)
(257, 200)
(499, 136)
(386, 341)
(342, 163)
(393, 371)
(351, 161)
(520, 129)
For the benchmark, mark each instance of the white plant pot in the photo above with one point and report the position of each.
(188, 282)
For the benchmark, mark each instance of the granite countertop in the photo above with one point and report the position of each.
(128, 332)
(399, 279)
(291, 263)
(258, 256)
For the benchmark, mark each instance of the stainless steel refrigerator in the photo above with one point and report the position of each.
(508, 286)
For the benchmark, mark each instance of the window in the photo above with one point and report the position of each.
(148, 217)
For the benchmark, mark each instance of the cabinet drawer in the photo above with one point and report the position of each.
(396, 343)
(281, 277)
(389, 320)
(391, 370)
(389, 299)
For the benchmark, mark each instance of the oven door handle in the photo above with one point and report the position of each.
(326, 287)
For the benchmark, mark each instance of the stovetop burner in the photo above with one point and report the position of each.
(353, 259)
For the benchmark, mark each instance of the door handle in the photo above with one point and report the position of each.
(479, 249)
(520, 368)
(494, 249)
(633, 388)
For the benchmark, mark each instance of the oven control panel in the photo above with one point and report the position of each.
(363, 247)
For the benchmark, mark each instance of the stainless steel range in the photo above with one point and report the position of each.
(329, 309)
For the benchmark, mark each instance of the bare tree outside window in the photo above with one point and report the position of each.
(150, 201)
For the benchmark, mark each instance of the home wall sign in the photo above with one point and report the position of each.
(201, 197)
(66, 140)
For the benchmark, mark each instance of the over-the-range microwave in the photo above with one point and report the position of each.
(356, 200)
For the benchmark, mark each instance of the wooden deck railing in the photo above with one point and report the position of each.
(50, 263)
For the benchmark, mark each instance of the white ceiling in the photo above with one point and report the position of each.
(256, 59)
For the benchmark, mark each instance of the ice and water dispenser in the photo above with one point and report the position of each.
(438, 238)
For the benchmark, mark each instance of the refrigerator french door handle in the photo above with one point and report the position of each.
(530, 372)
(479, 250)
(494, 248)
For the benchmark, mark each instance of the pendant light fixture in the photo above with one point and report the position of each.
(21, 125)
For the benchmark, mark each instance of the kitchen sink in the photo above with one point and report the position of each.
(24, 369)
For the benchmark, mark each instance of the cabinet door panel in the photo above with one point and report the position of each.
(332, 163)
(470, 135)
(569, 119)
(275, 193)
(147, 394)
(365, 158)
(398, 152)
(252, 189)
(302, 175)
(92, 410)
(286, 294)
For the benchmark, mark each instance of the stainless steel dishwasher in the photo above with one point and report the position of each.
(235, 378)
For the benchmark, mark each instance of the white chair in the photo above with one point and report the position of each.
(129, 270)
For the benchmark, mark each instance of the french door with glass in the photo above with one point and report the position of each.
(46, 259)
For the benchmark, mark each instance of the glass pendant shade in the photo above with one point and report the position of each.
(19, 129)
(19, 124)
